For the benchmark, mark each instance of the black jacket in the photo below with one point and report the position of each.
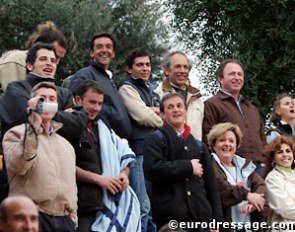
(114, 112)
(13, 110)
(88, 158)
(176, 193)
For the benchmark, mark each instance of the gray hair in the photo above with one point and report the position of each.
(166, 62)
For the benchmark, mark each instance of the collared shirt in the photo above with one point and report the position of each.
(238, 102)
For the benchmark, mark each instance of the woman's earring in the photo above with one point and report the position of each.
(273, 164)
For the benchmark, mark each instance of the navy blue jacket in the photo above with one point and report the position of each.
(113, 111)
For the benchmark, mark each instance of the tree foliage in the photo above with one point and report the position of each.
(259, 33)
(132, 23)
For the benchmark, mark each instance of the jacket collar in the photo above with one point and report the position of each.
(167, 87)
(34, 79)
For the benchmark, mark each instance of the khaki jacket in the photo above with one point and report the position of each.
(195, 106)
(43, 168)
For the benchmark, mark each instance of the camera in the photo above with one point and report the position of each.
(43, 107)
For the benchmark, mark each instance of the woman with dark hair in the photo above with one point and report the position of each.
(282, 117)
(280, 180)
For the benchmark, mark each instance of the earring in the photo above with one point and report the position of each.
(273, 164)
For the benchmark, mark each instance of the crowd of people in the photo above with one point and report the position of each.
(93, 156)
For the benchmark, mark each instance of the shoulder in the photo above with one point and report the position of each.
(15, 56)
(15, 131)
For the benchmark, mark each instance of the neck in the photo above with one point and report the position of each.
(289, 121)
(227, 162)
(235, 95)
(178, 128)
(46, 125)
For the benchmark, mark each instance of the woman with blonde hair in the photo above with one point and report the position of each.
(242, 190)
(280, 181)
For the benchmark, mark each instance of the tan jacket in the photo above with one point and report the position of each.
(12, 67)
(137, 108)
(42, 168)
(195, 106)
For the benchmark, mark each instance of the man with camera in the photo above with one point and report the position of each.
(41, 164)
(41, 64)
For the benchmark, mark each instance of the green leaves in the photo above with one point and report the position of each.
(259, 33)
(133, 24)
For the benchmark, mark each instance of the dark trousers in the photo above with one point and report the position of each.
(85, 221)
(48, 223)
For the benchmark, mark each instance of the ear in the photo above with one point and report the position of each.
(128, 70)
(91, 53)
(167, 71)
(277, 111)
(219, 79)
(162, 115)
(78, 100)
(29, 66)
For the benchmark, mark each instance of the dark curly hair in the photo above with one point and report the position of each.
(273, 147)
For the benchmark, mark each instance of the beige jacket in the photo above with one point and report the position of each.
(137, 108)
(12, 67)
(195, 106)
(42, 168)
(281, 191)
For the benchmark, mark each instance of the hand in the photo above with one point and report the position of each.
(32, 102)
(113, 185)
(197, 167)
(36, 119)
(247, 208)
(156, 110)
(124, 180)
(257, 200)
(69, 110)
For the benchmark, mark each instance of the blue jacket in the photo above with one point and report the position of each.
(113, 112)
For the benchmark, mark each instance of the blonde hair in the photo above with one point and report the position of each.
(219, 129)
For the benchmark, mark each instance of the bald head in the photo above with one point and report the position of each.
(18, 214)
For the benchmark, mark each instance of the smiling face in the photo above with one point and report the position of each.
(284, 157)
(178, 71)
(141, 68)
(286, 109)
(233, 78)
(103, 51)
(44, 64)
(92, 103)
(174, 112)
(226, 146)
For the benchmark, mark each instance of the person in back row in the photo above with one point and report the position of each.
(102, 52)
(41, 66)
(228, 105)
(142, 104)
(177, 67)
(282, 117)
(13, 63)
